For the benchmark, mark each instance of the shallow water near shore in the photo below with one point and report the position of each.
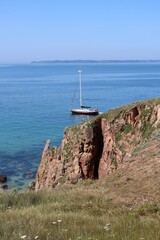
(35, 100)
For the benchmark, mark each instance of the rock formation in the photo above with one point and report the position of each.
(3, 179)
(100, 146)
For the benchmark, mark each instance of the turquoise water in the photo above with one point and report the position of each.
(35, 101)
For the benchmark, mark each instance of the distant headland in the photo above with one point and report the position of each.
(95, 61)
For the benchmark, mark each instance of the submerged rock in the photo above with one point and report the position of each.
(3, 179)
(4, 186)
(31, 186)
(29, 175)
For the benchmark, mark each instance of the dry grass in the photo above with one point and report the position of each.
(80, 212)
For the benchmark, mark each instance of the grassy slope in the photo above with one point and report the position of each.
(84, 211)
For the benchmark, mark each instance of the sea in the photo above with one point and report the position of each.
(35, 102)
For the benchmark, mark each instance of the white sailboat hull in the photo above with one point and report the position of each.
(90, 111)
(83, 109)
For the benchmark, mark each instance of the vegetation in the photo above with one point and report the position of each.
(78, 212)
(124, 206)
(118, 137)
(127, 128)
(147, 130)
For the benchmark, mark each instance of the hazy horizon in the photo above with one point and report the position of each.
(83, 61)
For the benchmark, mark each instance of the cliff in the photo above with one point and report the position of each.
(123, 138)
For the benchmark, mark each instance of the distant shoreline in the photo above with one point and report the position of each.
(96, 61)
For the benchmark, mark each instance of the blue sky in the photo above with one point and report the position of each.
(79, 29)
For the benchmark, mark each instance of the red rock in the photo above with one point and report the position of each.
(98, 147)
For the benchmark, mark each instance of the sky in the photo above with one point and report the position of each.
(40, 30)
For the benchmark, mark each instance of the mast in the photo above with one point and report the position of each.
(80, 87)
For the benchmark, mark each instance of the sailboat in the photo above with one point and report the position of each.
(83, 109)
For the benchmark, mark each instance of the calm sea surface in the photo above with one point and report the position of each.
(35, 100)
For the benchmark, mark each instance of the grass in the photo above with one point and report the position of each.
(118, 137)
(127, 128)
(75, 213)
(147, 130)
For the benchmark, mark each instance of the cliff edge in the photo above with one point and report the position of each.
(125, 138)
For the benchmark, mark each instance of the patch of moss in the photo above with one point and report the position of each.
(147, 129)
(118, 137)
(127, 128)
(145, 113)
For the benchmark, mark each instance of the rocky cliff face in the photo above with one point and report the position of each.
(99, 146)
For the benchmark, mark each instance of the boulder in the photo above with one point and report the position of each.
(4, 186)
(31, 186)
(3, 179)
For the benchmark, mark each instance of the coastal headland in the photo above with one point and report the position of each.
(122, 142)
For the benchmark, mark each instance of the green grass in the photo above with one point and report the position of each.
(118, 137)
(146, 112)
(75, 213)
(127, 128)
(147, 130)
